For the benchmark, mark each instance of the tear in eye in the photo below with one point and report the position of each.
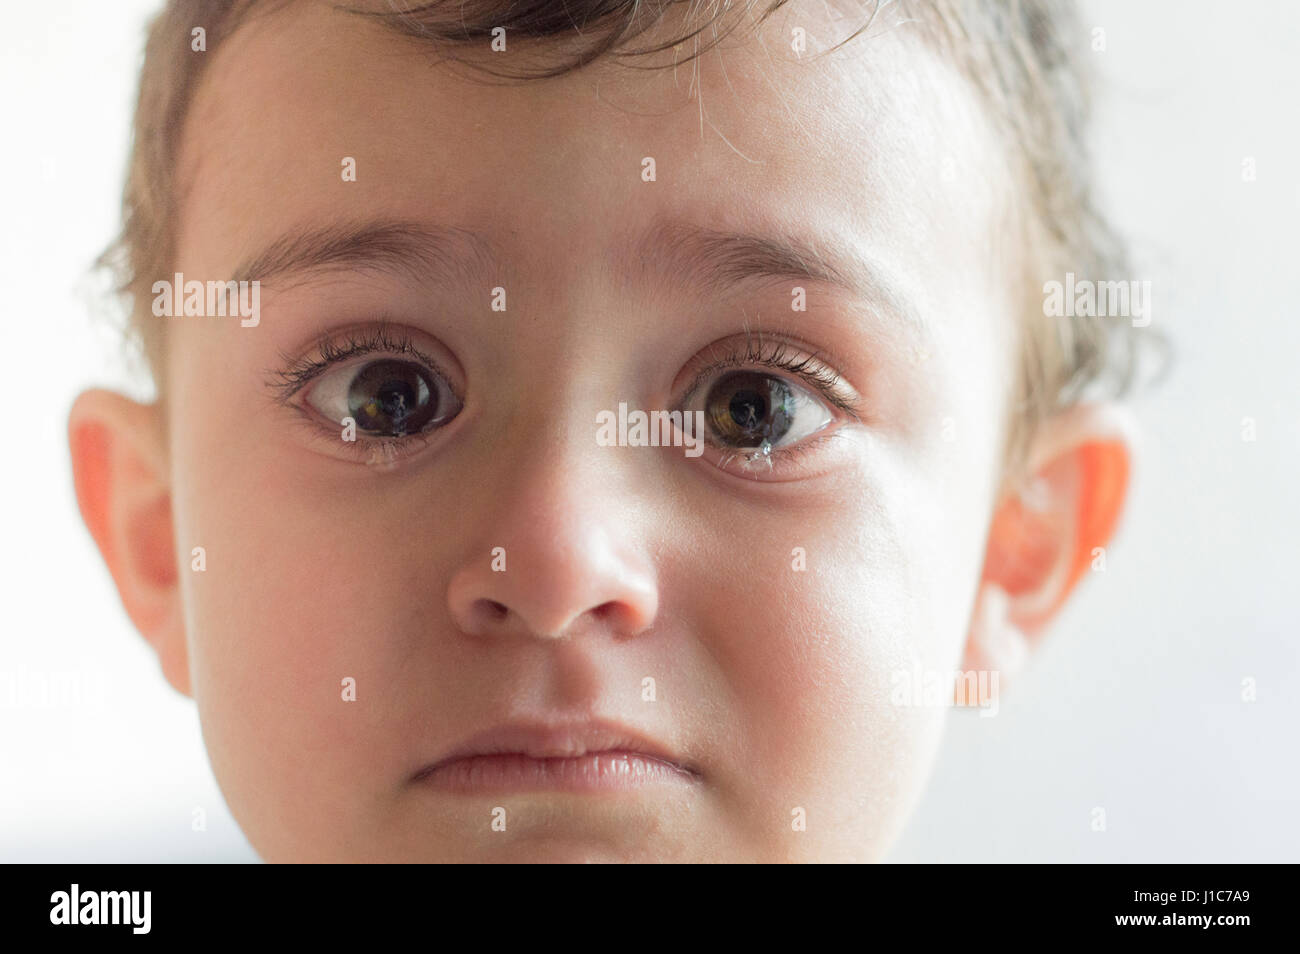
(748, 409)
(387, 398)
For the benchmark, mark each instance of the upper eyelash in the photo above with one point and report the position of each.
(775, 354)
(298, 372)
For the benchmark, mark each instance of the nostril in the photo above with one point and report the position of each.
(616, 616)
(481, 616)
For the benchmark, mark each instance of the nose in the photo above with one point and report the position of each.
(559, 558)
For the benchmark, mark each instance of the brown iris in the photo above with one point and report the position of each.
(748, 408)
(392, 398)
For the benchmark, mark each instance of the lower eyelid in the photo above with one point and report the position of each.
(317, 429)
(742, 463)
(326, 425)
(386, 453)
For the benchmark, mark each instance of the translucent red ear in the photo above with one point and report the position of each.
(1024, 545)
(1043, 539)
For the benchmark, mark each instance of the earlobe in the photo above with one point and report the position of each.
(121, 481)
(1044, 533)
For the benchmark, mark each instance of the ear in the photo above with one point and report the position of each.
(1046, 530)
(119, 469)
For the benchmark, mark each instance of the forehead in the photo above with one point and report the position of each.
(879, 145)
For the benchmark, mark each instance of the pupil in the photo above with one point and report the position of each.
(397, 398)
(392, 398)
(748, 408)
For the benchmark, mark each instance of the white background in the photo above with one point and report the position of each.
(1133, 706)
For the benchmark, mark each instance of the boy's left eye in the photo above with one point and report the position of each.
(753, 410)
(387, 397)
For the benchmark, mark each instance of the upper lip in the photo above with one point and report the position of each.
(542, 740)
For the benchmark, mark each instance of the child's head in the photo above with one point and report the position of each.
(406, 517)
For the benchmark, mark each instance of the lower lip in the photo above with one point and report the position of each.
(594, 772)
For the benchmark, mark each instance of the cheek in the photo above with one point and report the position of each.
(306, 595)
(807, 655)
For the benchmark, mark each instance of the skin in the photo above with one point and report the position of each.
(622, 562)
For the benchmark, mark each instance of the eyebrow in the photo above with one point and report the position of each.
(425, 252)
(692, 256)
(675, 253)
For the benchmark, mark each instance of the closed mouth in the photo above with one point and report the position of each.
(577, 757)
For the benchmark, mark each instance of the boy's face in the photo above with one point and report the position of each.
(769, 599)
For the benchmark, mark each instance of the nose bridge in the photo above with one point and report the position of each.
(549, 467)
(563, 374)
(552, 501)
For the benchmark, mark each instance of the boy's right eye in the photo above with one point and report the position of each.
(386, 397)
